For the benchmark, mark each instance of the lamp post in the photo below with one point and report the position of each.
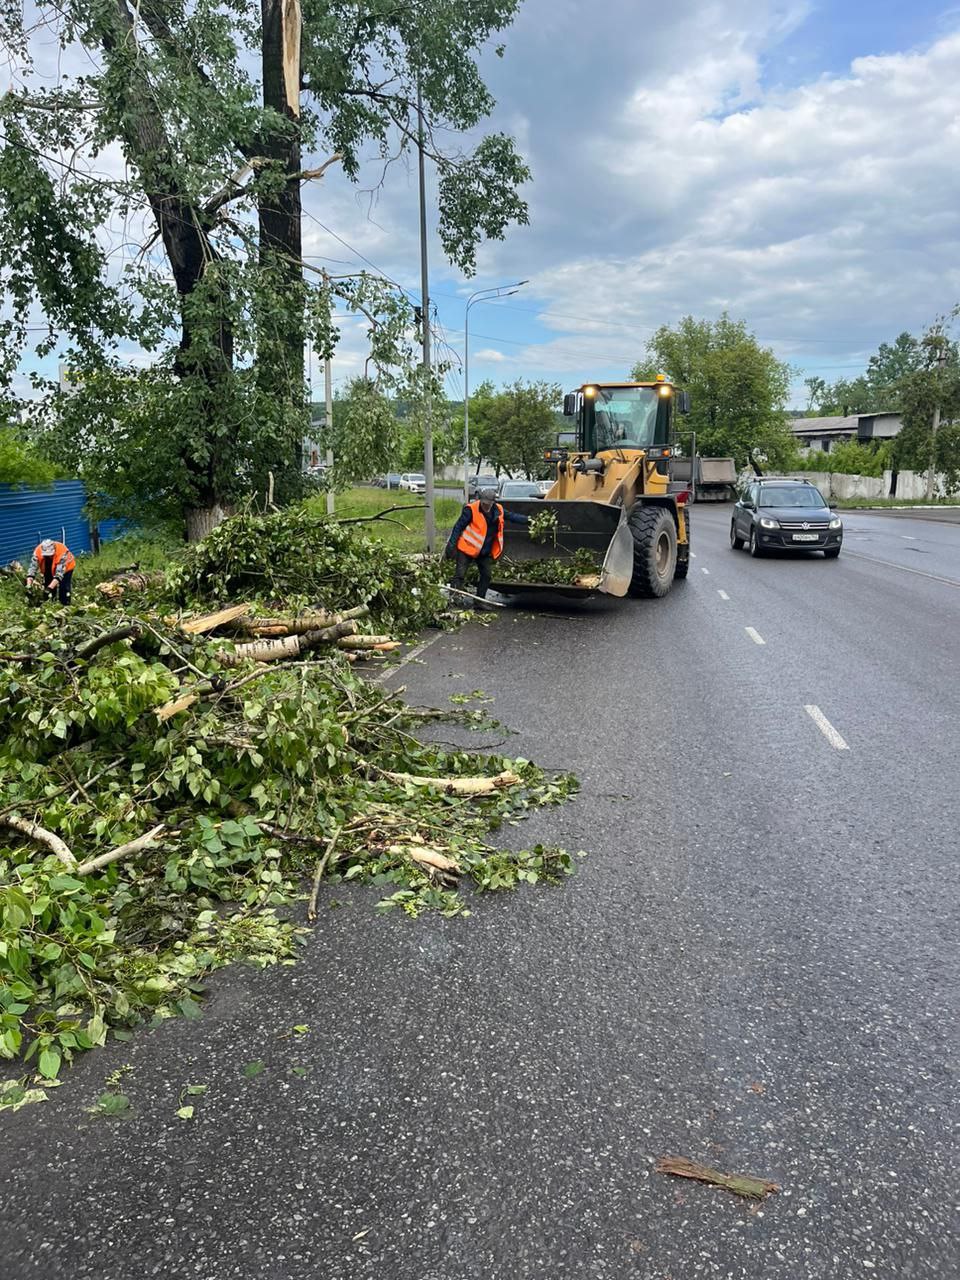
(478, 295)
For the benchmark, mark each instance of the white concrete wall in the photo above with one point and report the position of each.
(835, 486)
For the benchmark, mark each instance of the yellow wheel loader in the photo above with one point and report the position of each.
(613, 495)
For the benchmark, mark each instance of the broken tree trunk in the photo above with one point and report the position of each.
(211, 621)
(116, 587)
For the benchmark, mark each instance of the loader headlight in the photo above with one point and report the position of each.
(836, 524)
(767, 523)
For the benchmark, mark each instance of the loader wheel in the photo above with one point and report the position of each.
(654, 551)
(683, 553)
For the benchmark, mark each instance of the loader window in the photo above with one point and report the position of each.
(626, 418)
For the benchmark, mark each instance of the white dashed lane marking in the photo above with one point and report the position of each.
(826, 728)
(722, 594)
(754, 635)
(705, 571)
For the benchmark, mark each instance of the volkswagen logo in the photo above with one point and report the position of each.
(806, 524)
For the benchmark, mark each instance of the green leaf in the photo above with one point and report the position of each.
(113, 1104)
(49, 1063)
(252, 1069)
(299, 1071)
(194, 1090)
(185, 1113)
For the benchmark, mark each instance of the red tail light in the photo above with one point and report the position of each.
(683, 497)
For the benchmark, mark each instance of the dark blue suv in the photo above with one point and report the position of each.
(785, 515)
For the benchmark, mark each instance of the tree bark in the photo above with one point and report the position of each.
(204, 360)
(281, 342)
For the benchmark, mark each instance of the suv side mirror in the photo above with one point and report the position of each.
(683, 402)
(570, 404)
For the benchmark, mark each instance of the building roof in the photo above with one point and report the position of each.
(837, 425)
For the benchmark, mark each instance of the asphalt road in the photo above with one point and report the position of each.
(756, 967)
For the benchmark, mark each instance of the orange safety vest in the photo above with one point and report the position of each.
(473, 537)
(59, 552)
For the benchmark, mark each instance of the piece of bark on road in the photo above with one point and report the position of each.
(741, 1184)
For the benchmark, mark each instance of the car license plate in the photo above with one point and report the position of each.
(806, 537)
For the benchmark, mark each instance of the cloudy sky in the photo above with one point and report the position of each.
(795, 162)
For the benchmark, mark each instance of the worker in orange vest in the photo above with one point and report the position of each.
(56, 563)
(477, 538)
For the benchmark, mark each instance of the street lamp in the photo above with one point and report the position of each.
(478, 295)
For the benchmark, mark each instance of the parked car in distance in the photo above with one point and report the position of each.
(545, 486)
(478, 482)
(519, 489)
(391, 480)
(413, 482)
(785, 515)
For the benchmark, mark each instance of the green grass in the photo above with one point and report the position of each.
(402, 528)
(150, 551)
(866, 503)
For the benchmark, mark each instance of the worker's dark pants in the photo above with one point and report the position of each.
(63, 591)
(484, 567)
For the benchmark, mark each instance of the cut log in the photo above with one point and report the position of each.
(302, 623)
(211, 621)
(365, 642)
(287, 647)
(261, 651)
(115, 588)
(458, 786)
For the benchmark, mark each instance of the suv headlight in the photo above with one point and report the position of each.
(836, 523)
(767, 523)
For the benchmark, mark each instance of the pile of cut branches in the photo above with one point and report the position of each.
(160, 810)
(293, 557)
(580, 569)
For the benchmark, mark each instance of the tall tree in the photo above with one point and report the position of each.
(738, 389)
(512, 428)
(213, 157)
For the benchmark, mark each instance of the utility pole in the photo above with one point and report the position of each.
(932, 468)
(328, 425)
(430, 520)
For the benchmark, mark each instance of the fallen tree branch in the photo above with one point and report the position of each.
(33, 831)
(379, 515)
(318, 874)
(121, 851)
(457, 786)
(90, 647)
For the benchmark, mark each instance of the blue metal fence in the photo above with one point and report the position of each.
(28, 515)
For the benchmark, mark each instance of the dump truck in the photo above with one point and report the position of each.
(613, 496)
(715, 478)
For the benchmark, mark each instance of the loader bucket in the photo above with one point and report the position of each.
(598, 526)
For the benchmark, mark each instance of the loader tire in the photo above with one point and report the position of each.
(683, 553)
(654, 551)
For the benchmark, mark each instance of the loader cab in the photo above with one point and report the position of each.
(624, 415)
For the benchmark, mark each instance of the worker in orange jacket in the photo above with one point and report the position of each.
(477, 538)
(56, 563)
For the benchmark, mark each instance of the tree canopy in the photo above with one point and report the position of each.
(221, 114)
(738, 389)
(512, 427)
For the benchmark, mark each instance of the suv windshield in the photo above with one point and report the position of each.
(801, 495)
(626, 417)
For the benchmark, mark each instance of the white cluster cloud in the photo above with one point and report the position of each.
(825, 214)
